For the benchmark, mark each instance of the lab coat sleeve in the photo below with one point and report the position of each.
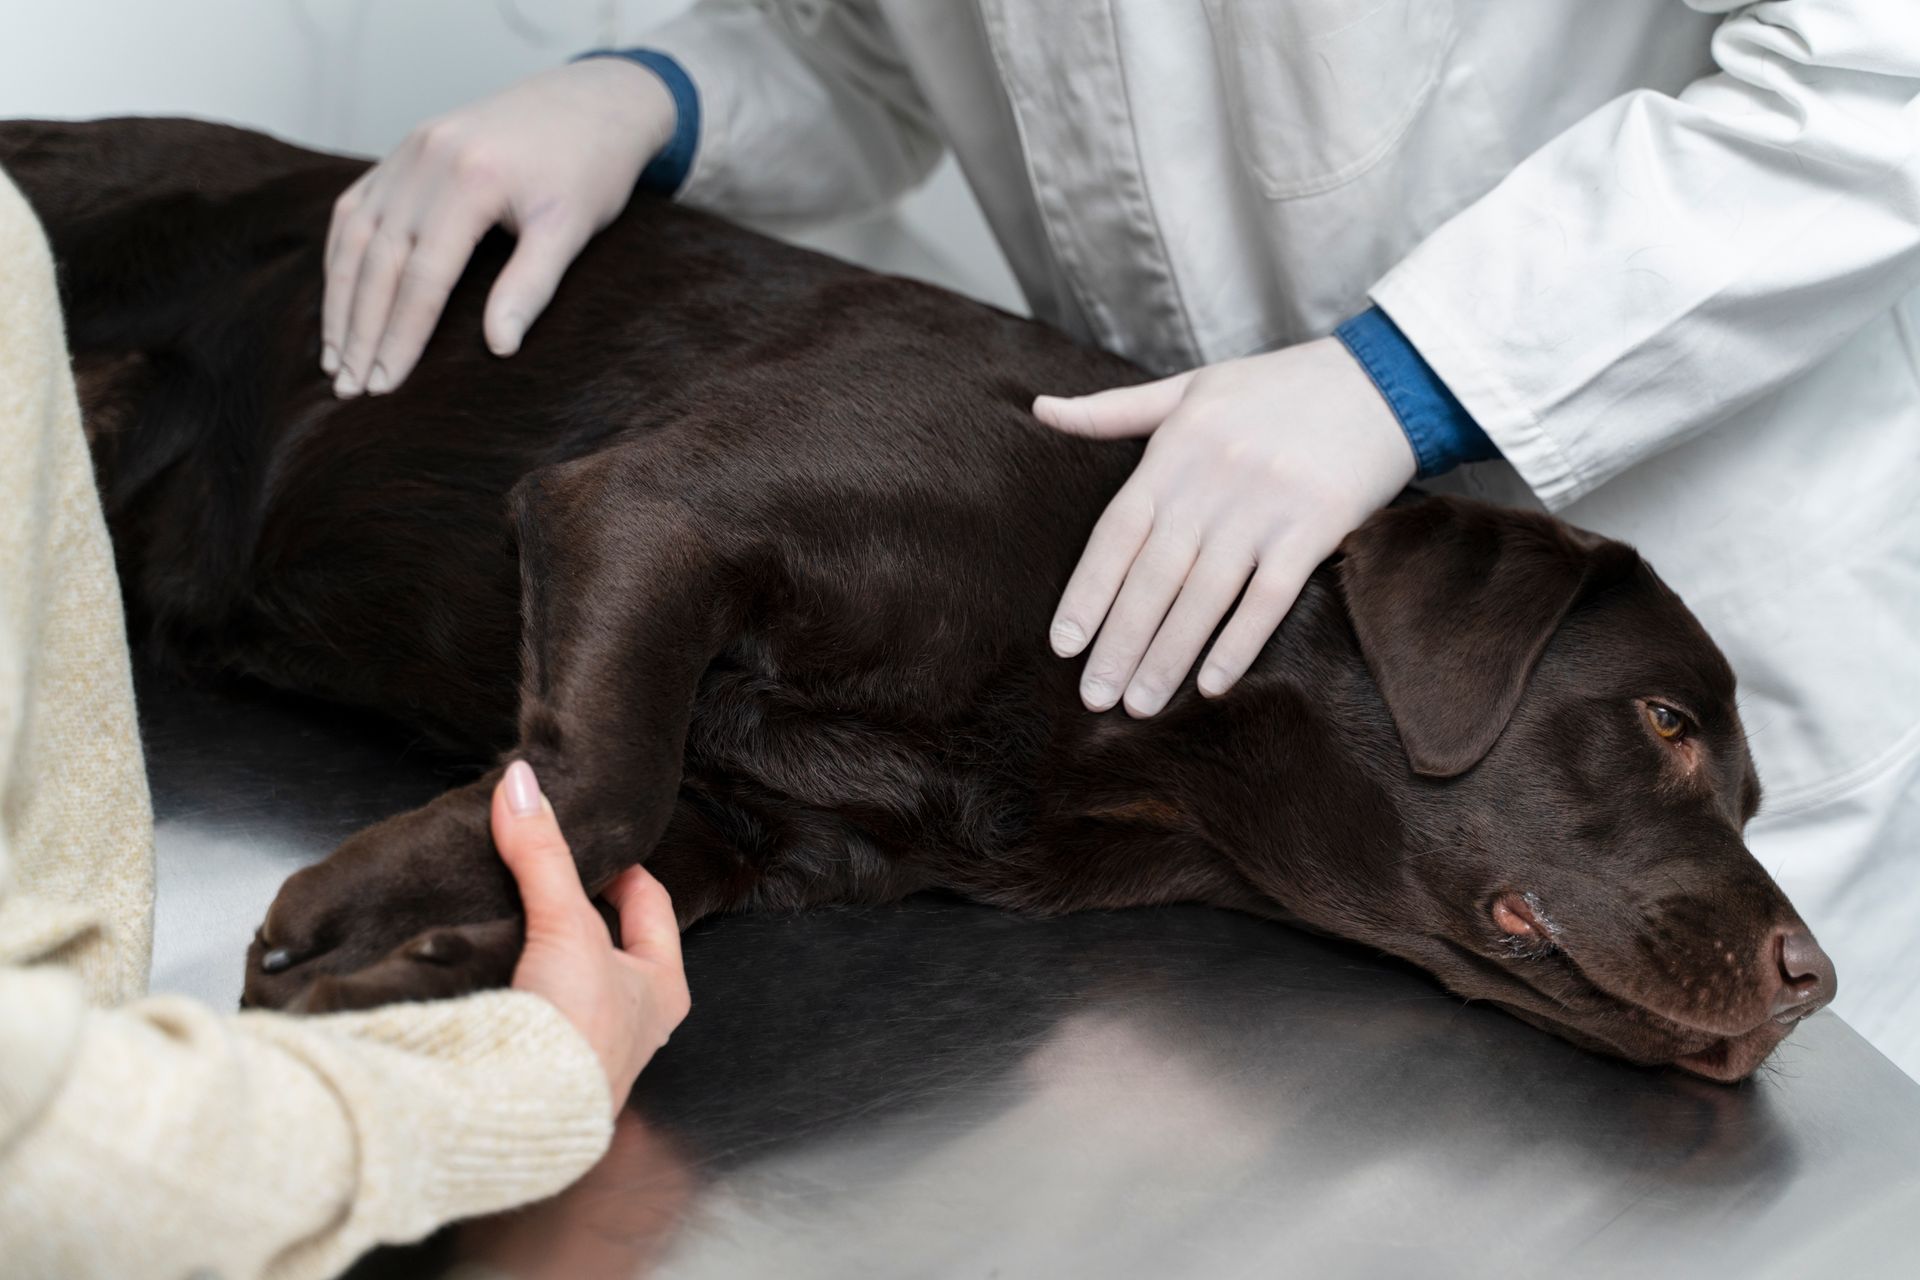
(1669, 260)
(807, 110)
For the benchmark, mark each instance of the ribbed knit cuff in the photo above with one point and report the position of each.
(460, 1107)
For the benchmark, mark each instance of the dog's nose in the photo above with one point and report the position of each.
(1806, 974)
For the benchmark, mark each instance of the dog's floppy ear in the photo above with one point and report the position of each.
(1453, 602)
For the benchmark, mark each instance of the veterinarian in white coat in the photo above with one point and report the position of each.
(1662, 254)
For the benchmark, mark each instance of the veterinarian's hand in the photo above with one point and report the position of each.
(552, 159)
(1256, 470)
(625, 1001)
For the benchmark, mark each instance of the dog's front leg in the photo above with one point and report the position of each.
(624, 604)
(626, 600)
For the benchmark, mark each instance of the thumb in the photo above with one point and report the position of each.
(528, 837)
(547, 247)
(1123, 411)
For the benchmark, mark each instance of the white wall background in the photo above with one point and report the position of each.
(356, 75)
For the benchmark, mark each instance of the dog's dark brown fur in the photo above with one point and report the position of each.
(752, 552)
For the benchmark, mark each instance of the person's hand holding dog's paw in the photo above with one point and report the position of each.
(627, 1000)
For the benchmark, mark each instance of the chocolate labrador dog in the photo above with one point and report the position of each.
(751, 553)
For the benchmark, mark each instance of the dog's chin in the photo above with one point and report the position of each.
(1722, 1059)
(1725, 1057)
(1734, 1058)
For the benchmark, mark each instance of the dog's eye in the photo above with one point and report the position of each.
(1665, 720)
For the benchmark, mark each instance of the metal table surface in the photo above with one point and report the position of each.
(937, 1089)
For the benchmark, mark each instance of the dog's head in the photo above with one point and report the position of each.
(1580, 784)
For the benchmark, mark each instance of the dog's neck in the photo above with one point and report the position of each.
(1163, 806)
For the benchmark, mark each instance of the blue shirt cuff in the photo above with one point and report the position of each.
(1443, 434)
(666, 172)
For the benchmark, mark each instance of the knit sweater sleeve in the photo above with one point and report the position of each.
(159, 1137)
(174, 1140)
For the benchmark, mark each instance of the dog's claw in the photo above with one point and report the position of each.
(277, 960)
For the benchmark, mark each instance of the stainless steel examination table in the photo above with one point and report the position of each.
(936, 1089)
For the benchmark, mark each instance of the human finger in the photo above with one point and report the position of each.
(527, 835)
(426, 281)
(648, 928)
(1208, 592)
(348, 232)
(1152, 583)
(547, 247)
(1275, 586)
(1121, 411)
(381, 263)
(1116, 539)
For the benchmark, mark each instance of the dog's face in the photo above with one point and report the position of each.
(1579, 858)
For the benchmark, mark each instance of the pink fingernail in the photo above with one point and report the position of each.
(523, 790)
(511, 333)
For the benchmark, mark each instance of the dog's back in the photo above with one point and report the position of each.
(898, 523)
(358, 550)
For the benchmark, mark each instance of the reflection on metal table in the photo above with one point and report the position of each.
(938, 1089)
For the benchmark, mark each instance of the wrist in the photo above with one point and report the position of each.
(637, 100)
(1368, 420)
(1438, 428)
(665, 107)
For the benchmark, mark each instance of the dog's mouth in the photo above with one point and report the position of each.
(1731, 1059)
(1700, 1021)
(1534, 984)
(1722, 1059)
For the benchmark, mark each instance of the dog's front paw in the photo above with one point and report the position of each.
(318, 925)
(441, 963)
(390, 883)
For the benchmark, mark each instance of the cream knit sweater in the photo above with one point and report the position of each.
(158, 1137)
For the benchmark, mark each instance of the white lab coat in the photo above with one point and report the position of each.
(1665, 253)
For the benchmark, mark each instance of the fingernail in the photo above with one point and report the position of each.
(377, 382)
(1067, 638)
(1144, 702)
(1211, 683)
(1097, 694)
(523, 790)
(511, 332)
(346, 385)
(329, 360)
